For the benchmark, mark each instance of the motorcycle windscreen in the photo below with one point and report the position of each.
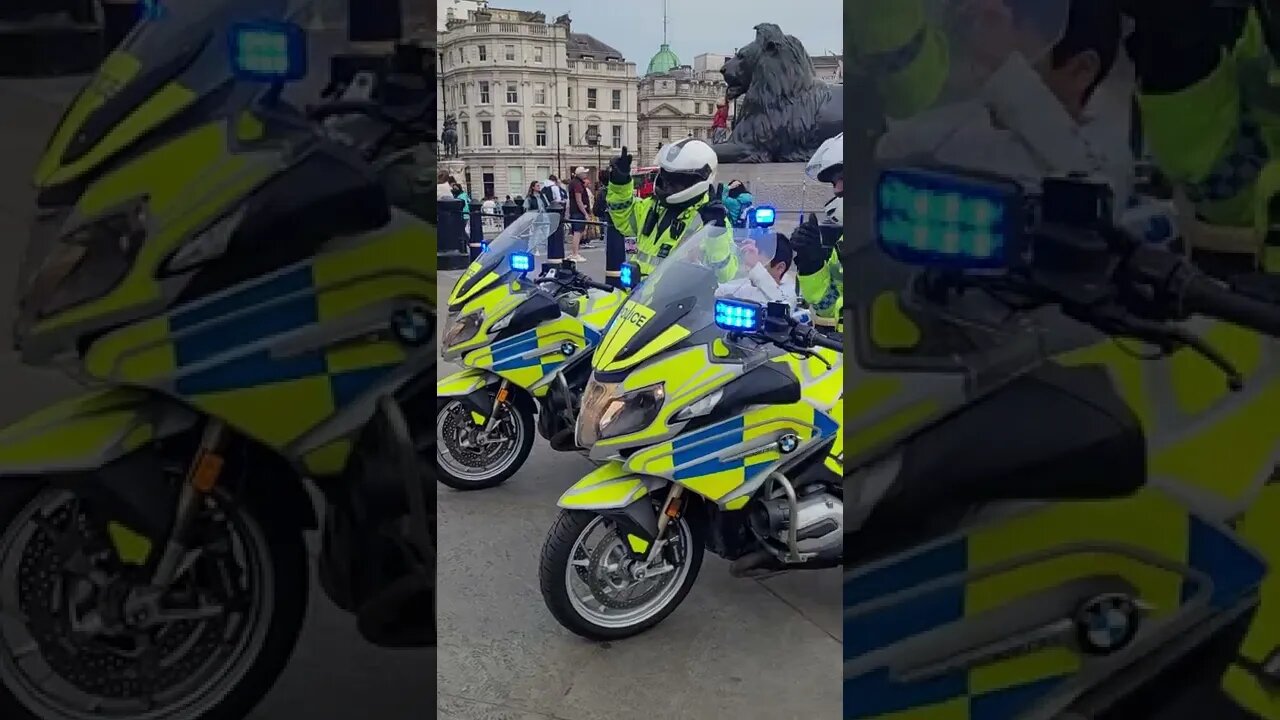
(178, 54)
(679, 299)
(529, 231)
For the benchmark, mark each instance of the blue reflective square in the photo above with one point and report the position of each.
(266, 51)
(625, 276)
(521, 262)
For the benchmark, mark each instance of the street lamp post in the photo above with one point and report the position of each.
(593, 139)
(559, 161)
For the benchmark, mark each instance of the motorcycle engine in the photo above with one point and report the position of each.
(819, 520)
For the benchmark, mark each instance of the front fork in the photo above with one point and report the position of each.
(671, 510)
(202, 479)
(499, 399)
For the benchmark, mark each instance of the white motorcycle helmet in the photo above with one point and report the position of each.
(686, 169)
(825, 166)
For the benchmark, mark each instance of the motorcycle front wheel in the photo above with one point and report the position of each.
(468, 459)
(590, 582)
(82, 637)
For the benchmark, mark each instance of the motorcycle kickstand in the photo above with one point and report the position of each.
(202, 478)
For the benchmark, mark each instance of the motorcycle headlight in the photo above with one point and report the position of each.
(462, 329)
(86, 264)
(631, 412)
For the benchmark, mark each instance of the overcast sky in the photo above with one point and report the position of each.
(635, 26)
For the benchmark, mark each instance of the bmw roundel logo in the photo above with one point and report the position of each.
(412, 325)
(567, 349)
(788, 443)
(1107, 623)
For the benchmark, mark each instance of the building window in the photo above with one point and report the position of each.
(466, 134)
(666, 133)
(591, 127)
(462, 93)
(697, 132)
(591, 98)
(513, 133)
(513, 96)
(486, 133)
(484, 53)
(515, 180)
(697, 108)
(617, 136)
(486, 177)
(511, 52)
(570, 97)
(540, 133)
(537, 53)
(484, 92)
(571, 135)
(617, 99)
(540, 94)
(543, 172)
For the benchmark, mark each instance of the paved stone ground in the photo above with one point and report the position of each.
(735, 648)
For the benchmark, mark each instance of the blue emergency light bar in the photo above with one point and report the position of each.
(521, 262)
(268, 51)
(738, 315)
(764, 216)
(628, 275)
(950, 219)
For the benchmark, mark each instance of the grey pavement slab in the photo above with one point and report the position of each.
(734, 649)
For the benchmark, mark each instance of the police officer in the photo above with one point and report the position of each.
(1210, 112)
(684, 189)
(817, 264)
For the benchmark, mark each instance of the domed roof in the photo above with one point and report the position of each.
(663, 61)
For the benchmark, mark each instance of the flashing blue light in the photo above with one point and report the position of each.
(273, 52)
(764, 216)
(737, 315)
(520, 261)
(929, 217)
(151, 10)
(626, 276)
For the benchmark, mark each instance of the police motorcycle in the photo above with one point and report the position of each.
(1061, 499)
(526, 344)
(249, 312)
(717, 418)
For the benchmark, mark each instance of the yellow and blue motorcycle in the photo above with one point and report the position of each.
(1061, 498)
(250, 312)
(718, 419)
(526, 345)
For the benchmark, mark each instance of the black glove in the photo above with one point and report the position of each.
(1177, 43)
(714, 212)
(806, 241)
(620, 168)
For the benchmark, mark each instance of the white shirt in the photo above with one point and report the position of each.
(1015, 127)
(759, 286)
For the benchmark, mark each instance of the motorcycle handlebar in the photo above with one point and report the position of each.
(1203, 296)
(823, 341)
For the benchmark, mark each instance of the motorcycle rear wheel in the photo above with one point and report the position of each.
(99, 680)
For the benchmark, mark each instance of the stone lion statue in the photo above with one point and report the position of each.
(785, 111)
